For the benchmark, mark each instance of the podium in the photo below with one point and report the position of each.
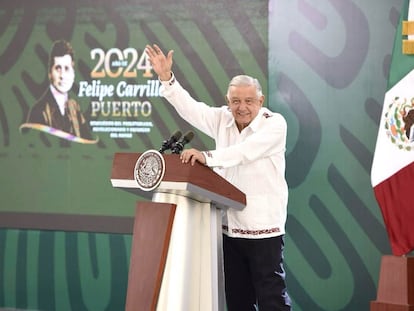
(396, 285)
(176, 260)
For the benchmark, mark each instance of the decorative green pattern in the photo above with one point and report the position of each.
(328, 70)
(63, 270)
(324, 66)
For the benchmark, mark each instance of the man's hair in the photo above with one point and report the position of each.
(244, 80)
(60, 48)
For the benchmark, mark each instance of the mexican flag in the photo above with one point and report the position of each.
(392, 173)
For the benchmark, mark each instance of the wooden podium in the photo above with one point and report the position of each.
(176, 254)
(396, 285)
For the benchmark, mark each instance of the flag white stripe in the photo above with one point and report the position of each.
(388, 157)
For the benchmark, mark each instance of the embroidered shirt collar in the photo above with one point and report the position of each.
(253, 125)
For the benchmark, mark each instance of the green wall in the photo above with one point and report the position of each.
(323, 64)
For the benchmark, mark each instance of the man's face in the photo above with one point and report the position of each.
(62, 73)
(244, 104)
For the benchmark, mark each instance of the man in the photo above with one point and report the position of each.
(250, 146)
(55, 109)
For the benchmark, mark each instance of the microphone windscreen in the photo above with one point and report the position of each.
(176, 135)
(188, 136)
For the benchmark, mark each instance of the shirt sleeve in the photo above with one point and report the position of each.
(267, 141)
(198, 114)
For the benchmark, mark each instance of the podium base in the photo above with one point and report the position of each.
(395, 285)
(384, 306)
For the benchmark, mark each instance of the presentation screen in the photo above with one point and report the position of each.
(77, 87)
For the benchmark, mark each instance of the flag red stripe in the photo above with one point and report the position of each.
(397, 208)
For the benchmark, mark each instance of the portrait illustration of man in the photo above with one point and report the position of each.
(55, 112)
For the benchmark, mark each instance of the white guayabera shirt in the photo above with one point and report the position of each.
(252, 160)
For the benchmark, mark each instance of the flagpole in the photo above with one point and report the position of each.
(408, 30)
(410, 17)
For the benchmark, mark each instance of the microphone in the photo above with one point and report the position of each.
(179, 146)
(168, 143)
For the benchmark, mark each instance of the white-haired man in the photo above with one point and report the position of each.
(250, 153)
